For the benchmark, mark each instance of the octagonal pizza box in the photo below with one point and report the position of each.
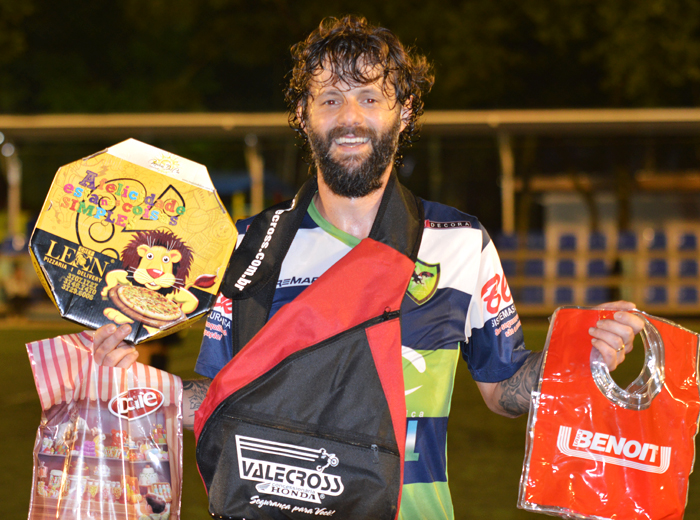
(133, 234)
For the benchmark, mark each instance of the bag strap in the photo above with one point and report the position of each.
(254, 268)
(400, 219)
(251, 278)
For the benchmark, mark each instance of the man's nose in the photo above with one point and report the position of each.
(350, 114)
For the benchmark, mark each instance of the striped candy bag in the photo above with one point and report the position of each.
(109, 445)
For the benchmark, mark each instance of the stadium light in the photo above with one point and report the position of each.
(7, 150)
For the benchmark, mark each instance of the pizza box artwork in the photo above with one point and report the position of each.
(135, 235)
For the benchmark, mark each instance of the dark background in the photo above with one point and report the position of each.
(232, 55)
(105, 56)
(60, 56)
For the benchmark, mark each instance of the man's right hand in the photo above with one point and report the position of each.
(110, 349)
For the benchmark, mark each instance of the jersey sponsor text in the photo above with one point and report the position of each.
(294, 281)
(448, 225)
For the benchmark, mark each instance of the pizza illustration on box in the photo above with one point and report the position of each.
(150, 288)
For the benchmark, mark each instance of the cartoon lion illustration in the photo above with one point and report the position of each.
(160, 262)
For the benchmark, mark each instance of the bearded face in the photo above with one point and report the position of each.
(354, 175)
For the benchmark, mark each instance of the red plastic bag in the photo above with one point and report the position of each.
(595, 450)
(109, 445)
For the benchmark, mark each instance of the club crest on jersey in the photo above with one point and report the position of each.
(424, 282)
(278, 469)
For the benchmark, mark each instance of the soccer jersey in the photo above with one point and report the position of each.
(457, 301)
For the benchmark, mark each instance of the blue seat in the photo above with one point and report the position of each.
(535, 241)
(566, 269)
(509, 267)
(564, 295)
(532, 294)
(688, 295)
(688, 242)
(658, 268)
(506, 242)
(597, 268)
(595, 295)
(657, 294)
(567, 242)
(688, 268)
(658, 241)
(597, 242)
(534, 268)
(627, 241)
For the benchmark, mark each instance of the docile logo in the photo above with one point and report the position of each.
(136, 403)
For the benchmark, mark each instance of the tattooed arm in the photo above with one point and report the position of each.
(111, 350)
(512, 396)
(193, 393)
(612, 337)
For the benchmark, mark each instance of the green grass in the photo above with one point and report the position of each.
(485, 450)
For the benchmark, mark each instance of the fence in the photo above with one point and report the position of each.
(659, 274)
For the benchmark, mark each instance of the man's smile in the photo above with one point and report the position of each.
(350, 141)
(351, 144)
(353, 158)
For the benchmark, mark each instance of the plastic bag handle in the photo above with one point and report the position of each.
(642, 391)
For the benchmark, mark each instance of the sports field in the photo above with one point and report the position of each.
(485, 450)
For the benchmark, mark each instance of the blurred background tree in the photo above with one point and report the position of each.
(232, 55)
(62, 56)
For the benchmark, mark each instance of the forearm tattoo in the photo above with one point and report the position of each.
(515, 393)
(194, 392)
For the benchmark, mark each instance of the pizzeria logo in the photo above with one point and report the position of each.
(82, 258)
(601, 447)
(275, 466)
(136, 402)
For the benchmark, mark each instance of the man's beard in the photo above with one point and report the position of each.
(355, 177)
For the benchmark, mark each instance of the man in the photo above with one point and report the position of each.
(355, 96)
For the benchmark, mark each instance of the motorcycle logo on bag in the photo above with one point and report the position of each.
(269, 464)
(602, 447)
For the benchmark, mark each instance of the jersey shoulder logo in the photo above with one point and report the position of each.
(424, 282)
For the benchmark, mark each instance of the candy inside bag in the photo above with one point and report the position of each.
(109, 445)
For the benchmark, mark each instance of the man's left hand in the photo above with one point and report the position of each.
(614, 338)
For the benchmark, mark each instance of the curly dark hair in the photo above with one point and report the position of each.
(354, 50)
(157, 504)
